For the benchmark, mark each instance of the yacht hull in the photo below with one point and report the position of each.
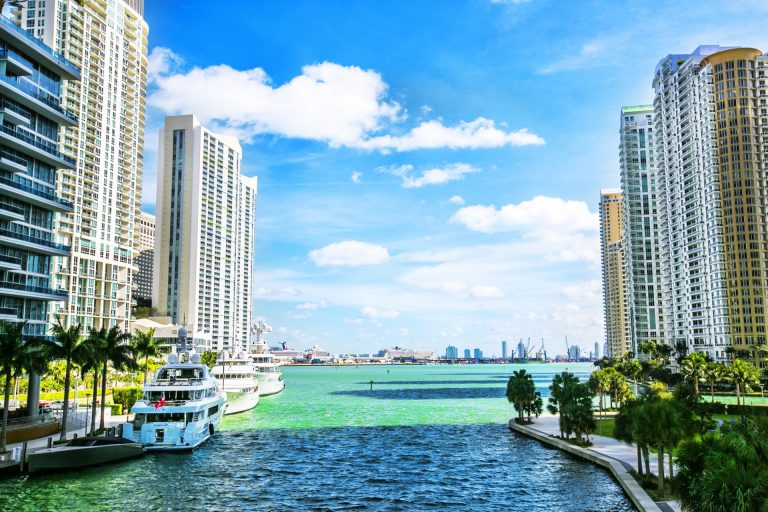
(238, 402)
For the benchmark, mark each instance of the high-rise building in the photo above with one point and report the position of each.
(478, 354)
(204, 233)
(108, 40)
(711, 182)
(143, 279)
(31, 164)
(467, 354)
(640, 222)
(614, 273)
(451, 352)
(503, 349)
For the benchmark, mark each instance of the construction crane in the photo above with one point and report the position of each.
(567, 349)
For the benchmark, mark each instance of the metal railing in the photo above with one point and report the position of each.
(33, 239)
(8, 53)
(36, 143)
(35, 191)
(14, 108)
(40, 95)
(13, 158)
(9, 311)
(34, 289)
(177, 382)
(10, 259)
(56, 56)
(11, 208)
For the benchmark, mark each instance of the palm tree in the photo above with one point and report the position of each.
(712, 373)
(145, 345)
(632, 367)
(600, 382)
(521, 391)
(91, 359)
(119, 353)
(694, 368)
(742, 374)
(68, 345)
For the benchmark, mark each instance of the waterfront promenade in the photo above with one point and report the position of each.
(615, 456)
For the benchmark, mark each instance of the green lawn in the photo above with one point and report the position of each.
(605, 426)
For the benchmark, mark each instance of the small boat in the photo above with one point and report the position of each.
(83, 452)
(237, 378)
(266, 368)
(181, 408)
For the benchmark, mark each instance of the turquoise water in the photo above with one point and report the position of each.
(423, 438)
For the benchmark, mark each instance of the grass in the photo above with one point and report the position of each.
(605, 427)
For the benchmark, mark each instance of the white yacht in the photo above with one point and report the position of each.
(238, 379)
(266, 368)
(181, 407)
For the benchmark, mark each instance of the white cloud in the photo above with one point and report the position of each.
(375, 314)
(487, 292)
(542, 216)
(355, 177)
(313, 305)
(436, 176)
(285, 291)
(404, 331)
(480, 133)
(349, 253)
(162, 61)
(456, 200)
(343, 106)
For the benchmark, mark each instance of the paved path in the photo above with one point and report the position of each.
(42, 442)
(606, 446)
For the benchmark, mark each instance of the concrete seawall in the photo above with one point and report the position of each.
(634, 491)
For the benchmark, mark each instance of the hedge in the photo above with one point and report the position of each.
(747, 410)
(59, 395)
(117, 409)
(713, 407)
(126, 397)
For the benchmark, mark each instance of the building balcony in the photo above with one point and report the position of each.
(12, 163)
(9, 314)
(11, 212)
(36, 99)
(30, 146)
(34, 196)
(15, 64)
(9, 262)
(32, 243)
(14, 114)
(26, 291)
(26, 42)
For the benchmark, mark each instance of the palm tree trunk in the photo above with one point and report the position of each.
(738, 394)
(634, 380)
(65, 410)
(671, 465)
(103, 393)
(146, 367)
(660, 486)
(639, 461)
(647, 457)
(696, 387)
(93, 404)
(6, 404)
(712, 391)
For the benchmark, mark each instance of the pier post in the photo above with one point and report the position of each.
(23, 457)
(50, 442)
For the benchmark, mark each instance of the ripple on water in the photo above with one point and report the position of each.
(275, 460)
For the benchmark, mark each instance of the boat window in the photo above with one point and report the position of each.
(139, 420)
(213, 410)
(168, 416)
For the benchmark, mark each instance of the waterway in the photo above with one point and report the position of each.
(420, 438)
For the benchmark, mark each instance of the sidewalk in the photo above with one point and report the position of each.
(42, 442)
(605, 446)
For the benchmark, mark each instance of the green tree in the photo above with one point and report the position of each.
(117, 352)
(521, 392)
(145, 345)
(742, 374)
(712, 373)
(617, 387)
(90, 359)
(208, 358)
(633, 368)
(694, 368)
(600, 382)
(725, 471)
(626, 430)
(572, 400)
(16, 356)
(67, 344)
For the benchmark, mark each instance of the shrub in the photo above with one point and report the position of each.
(117, 409)
(126, 397)
(713, 407)
(746, 410)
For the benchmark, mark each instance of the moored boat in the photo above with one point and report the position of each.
(83, 452)
(238, 380)
(181, 407)
(267, 369)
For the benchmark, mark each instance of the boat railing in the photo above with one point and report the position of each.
(178, 382)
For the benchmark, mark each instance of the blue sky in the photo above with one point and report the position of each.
(428, 171)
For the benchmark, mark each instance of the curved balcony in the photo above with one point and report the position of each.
(33, 147)
(36, 99)
(9, 262)
(29, 44)
(26, 291)
(34, 196)
(32, 243)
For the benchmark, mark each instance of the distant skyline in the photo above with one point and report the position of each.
(427, 177)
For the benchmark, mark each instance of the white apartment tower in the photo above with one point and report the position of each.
(205, 224)
(641, 238)
(107, 39)
(614, 266)
(143, 279)
(711, 182)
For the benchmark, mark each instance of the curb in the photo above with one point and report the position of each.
(634, 491)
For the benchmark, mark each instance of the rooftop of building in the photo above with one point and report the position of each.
(631, 109)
